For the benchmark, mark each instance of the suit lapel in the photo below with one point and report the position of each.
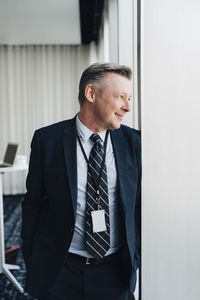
(121, 157)
(70, 153)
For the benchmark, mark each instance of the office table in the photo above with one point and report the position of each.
(5, 268)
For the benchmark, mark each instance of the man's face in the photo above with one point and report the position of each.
(112, 101)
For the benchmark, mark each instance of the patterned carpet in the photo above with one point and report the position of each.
(12, 227)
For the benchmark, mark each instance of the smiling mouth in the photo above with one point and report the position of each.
(119, 116)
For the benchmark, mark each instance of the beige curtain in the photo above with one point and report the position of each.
(38, 86)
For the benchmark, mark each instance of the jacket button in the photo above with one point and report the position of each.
(72, 229)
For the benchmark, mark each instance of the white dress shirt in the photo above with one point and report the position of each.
(78, 241)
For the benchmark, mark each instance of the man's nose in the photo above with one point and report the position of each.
(126, 106)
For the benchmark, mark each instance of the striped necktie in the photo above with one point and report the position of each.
(97, 243)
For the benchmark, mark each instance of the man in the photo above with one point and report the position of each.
(81, 213)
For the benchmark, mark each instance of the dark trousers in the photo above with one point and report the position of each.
(79, 281)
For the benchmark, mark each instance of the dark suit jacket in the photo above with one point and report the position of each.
(49, 207)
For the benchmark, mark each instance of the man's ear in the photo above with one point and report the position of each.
(90, 93)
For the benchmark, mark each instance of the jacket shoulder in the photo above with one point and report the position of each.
(130, 132)
(55, 128)
(133, 136)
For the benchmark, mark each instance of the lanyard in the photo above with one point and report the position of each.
(96, 180)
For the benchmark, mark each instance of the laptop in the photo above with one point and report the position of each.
(9, 156)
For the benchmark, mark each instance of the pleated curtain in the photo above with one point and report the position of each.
(38, 86)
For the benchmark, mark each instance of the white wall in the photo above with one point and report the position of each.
(171, 149)
(125, 45)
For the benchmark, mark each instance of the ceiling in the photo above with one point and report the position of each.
(35, 22)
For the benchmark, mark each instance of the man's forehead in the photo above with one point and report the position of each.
(118, 82)
(115, 75)
(115, 79)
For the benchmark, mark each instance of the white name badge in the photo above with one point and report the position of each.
(98, 220)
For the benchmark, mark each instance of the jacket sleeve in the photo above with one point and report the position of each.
(33, 200)
(137, 257)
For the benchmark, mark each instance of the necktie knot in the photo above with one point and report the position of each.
(95, 138)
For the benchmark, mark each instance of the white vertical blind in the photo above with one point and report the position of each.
(38, 86)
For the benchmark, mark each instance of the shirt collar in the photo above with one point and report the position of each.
(85, 133)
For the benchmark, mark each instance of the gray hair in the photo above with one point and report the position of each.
(96, 72)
